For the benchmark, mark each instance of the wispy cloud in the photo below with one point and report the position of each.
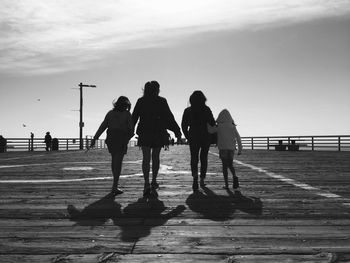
(40, 36)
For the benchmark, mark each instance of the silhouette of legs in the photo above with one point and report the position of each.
(194, 149)
(48, 147)
(204, 163)
(155, 166)
(227, 163)
(225, 172)
(147, 152)
(117, 160)
(198, 152)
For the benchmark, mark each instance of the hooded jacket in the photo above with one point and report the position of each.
(228, 135)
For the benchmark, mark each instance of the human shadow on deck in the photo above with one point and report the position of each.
(97, 213)
(222, 207)
(151, 211)
(147, 213)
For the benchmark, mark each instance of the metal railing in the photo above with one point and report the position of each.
(312, 143)
(38, 144)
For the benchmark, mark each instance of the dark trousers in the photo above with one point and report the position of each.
(199, 151)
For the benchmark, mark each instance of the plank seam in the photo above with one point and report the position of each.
(315, 190)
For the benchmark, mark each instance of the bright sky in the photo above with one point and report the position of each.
(279, 67)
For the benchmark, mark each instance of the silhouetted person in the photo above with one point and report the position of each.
(31, 145)
(228, 137)
(194, 126)
(120, 129)
(3, 144)
(48, 141)
(155, 117)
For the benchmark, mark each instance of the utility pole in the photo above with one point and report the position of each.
(81, 123)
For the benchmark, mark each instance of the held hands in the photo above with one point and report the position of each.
(178, 138)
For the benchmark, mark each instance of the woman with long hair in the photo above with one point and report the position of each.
(155, 117)
(194, 127)
(120, 129)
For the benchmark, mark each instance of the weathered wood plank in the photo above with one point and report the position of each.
(176, 221)
(85, 231)
(271, 222)
(169, 258)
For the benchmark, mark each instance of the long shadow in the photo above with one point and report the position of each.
(150, 210)
(222, 207)
(97, 213)
(248, 204)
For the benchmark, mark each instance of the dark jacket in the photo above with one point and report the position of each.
(48, 138)
(155, 117)
(194, 123)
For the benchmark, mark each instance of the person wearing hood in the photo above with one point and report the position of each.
(228, 138)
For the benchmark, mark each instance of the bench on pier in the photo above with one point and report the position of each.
(292, 146)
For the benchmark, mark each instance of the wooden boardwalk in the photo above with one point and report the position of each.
(292, 207)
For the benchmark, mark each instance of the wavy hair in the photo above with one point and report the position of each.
(151, 89)
(122, 104)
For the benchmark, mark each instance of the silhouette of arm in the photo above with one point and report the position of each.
(130, 124)
(171, 123)
(211, 124)
(102, 127)
(212, 129)
(211, 119)
(136, 113)
(185, 123)
(175, 212)
(238, 138)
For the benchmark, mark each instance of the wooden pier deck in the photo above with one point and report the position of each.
(292, 207)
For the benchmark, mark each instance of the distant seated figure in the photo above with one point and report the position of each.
(3, 144)
(48, 141)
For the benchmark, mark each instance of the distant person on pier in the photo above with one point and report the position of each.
(3, 143)
(194, 126)
(228, 137)
(120, 130)
(155, 117)
(48, 141)
(31, 143)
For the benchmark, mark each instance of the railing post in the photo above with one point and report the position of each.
(312, 143)
(268, 143)
(67, 142)
(252, 143)
(339, 144)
